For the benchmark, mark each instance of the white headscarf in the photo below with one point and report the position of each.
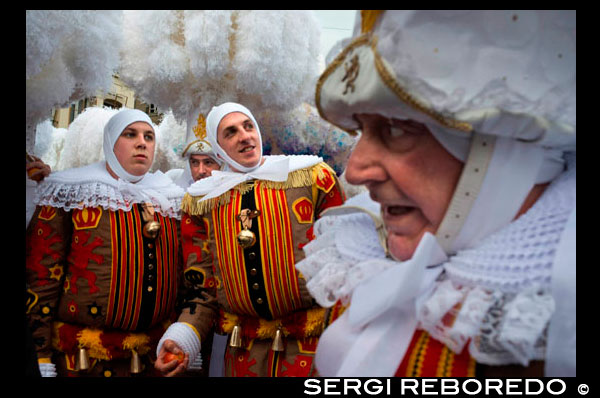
(112, 132)
(274, 168)
(216, 114)
(513, 169)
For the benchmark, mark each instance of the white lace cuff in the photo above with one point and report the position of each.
(47, 369)
(345, 252)
(186, 338)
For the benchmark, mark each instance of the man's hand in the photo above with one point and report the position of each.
(168, 365)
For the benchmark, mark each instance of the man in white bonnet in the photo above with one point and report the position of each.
(103, 258)
(467, 148)
(243, 230)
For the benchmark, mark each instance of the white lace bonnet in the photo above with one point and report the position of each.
(477, 79)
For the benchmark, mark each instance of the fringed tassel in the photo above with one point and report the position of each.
(90, 338)
(300, 324)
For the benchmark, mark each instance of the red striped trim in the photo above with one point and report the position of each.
(167, 263)
(275, 228)
(427, 357)
(230, 255)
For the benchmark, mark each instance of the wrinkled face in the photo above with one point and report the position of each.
(134, 148)
(409, 173)
(202, 166)
(238, 137)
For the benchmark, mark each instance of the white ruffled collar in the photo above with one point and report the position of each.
(501, 306)
(92, 185)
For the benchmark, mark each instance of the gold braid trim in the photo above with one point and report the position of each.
(368, 19)
(409, 99)
(404, 96)
(306, 177)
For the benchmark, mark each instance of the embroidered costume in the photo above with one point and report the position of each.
(242, 235)
(258, 289)
(102, 286)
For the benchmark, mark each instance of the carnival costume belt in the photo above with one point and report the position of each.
(104, 344)
(299, 325)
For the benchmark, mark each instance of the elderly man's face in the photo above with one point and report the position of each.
(238, 137)
(409, 173)
(202, 166)
(134, 148)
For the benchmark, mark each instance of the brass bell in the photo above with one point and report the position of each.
(83, 360)
(236, 337)
(136, 364)
(278, 340)
(151, 229)
(246, 238)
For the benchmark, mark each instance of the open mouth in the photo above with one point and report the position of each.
(247, 149)
(397, 211)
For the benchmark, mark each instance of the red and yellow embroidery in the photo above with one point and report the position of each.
(167, 263)
(428, 357)
(41, 240)
(127, 268)
(47, 213)
(79, 258)
(277, 251)
(31, 300)
(303, 210)
(326, 181)
(56, 272)
(240, 363)
(230, 255)
(86, 218)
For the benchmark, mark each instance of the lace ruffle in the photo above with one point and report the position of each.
(89, 187)
(497, 297)
(94, 194)
(503, 328)
(345, 252)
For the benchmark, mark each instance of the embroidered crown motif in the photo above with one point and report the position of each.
(200, 144)
(200, 127)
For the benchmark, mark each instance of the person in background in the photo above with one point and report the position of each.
(467, 146)
(103, 258)
(243, 231)
(200, 162)
(200, 158)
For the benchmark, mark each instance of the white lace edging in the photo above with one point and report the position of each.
(94, 194)
(92, 186)
(345, 253)
(502, 328)
(497, 296)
